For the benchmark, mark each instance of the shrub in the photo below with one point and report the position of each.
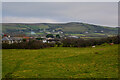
(72, 42)
(69, 42)
(27, 45)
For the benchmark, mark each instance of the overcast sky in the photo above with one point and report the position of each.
(101, 13)
(60, 0)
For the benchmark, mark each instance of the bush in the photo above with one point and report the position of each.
(71, 42)
(27, 45)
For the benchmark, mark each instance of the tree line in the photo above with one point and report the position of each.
(68, 42)
(27, 45)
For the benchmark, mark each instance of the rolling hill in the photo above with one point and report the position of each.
(67, 28)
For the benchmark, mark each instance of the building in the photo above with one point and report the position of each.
(11, 40)
(73, 36)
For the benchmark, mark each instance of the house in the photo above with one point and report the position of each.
(102, 31)
(44, 41)
(86, 32)
(28, 38)
(52, 40)
(11, 40)
(73, 36)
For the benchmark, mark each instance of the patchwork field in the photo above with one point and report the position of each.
(60, 62)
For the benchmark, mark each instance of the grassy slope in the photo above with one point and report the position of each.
(62, 62)
(68, 27)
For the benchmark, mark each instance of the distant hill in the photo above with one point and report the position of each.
(68, 28)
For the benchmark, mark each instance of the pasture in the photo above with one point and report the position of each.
(61, 62)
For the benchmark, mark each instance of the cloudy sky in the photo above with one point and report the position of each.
(101, 13)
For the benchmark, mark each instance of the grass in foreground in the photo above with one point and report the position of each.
(60, 62)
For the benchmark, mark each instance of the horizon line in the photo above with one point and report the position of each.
(57, 23)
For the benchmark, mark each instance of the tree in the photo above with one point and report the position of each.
(39, 38)
(49, 36)
(57, 36)
(24, 40)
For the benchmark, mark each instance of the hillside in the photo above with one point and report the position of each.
(67, 28)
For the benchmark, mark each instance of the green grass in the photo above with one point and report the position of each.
(90, 37)
(77, 34)
(66, 28)
(60, 62)
(99, 33)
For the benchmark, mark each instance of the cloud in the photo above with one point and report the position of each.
(103, 13)
(60, 0)
(26, 20)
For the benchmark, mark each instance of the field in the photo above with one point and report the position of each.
(60, 62)
(67, 28)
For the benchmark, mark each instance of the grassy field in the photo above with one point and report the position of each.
(60, 62)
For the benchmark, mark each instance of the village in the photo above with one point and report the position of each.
(10, 39)
(49, 38)
(45, 36)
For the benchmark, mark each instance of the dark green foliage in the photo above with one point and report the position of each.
(24, 40)
(57, 36)
(39, 38)
(71, 42)
(58, 44)
(27, 45)
(49, 36)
